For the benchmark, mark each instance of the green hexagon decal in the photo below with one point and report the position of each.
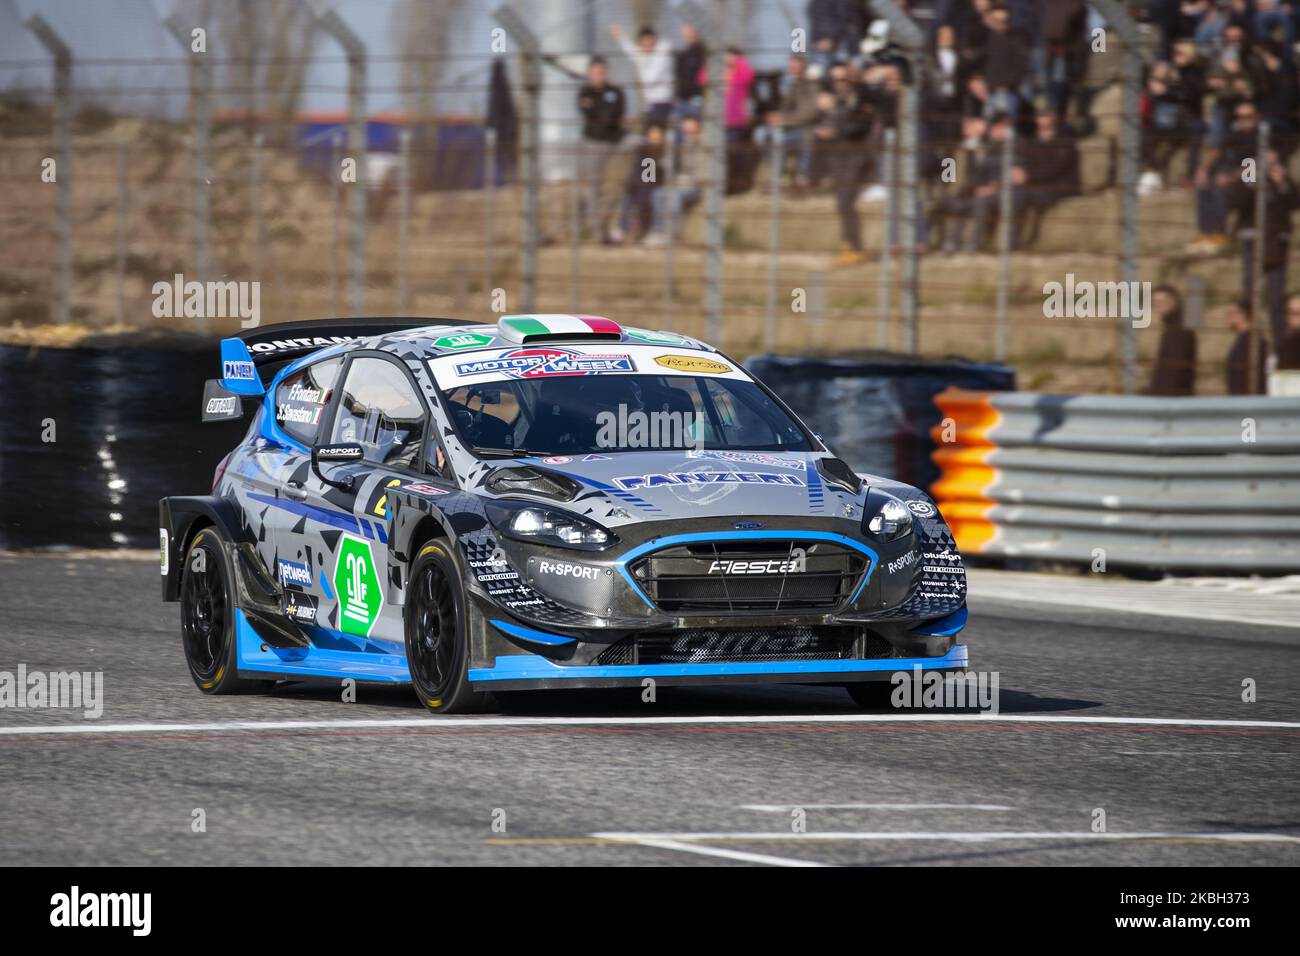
(463, 340)
(357, 584)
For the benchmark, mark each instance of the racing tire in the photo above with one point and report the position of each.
(208, 618)
(437, 638)
(872, 694)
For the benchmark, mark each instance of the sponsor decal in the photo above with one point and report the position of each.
(557, 460)
(164, 553)
(633, 482)
(499, 576)
(310, 343)
(659, 338)
(294, 572)
(220, 406)
(463, 340)
(564, 569)
(696, 365)
(922, 509)
(357, 585)
(301, 608)
(947, 554)
(748, 525)
(596, 458)
(532, 602)
(543, 362)
(752, 458)
(424, 489)
(905, 561)
(797, 563)
(239, 371)
(942, 569)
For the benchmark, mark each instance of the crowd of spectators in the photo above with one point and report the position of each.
(999, 74)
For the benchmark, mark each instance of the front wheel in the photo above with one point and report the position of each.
(437, 638)
(208, 618)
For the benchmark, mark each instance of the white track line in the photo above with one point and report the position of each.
(446, 723)
(791, 807)
(943, 836)
(727, 854)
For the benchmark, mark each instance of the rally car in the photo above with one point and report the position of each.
(547, 501)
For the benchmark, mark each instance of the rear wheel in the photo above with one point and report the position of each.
(437, 638)
(208, 618)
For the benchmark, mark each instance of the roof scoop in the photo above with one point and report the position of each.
(527, 329)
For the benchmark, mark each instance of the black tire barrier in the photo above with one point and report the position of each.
(126, 431)
(876, 412)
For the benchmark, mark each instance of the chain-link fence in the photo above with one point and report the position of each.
(924, 229)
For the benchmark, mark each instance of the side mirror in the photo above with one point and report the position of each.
(336, 454)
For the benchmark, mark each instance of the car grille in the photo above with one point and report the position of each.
(712, 645)
(730, 577)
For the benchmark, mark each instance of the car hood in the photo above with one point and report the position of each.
(663, 485)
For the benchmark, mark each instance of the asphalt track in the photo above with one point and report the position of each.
(1138, 715)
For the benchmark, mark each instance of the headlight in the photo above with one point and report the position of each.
(891, 521)
(527, 522)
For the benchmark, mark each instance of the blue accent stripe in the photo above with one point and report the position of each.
(534, 667)
(315, 661)
(528, 634)
(656, 544)
(944, 626)
(335, 518)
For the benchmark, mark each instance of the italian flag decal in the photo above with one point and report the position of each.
(519, 328)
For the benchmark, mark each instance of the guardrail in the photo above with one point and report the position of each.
(1165, 484)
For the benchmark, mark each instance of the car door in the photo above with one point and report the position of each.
(278, 481)
(380, 408)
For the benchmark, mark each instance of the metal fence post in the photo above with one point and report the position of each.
(62, 54)
(711, 28)
(336, 212)
(530, 52)
(669, 227)
(1130, 145)
(1005, 214)
(355, 51)
(255, 202)
(887, 228)
(489, 202)
(904, 31)
(119, 238)
(404, 223)
(1259, 301)
(201, 102)
(777, 159)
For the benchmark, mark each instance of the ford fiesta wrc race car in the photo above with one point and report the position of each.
(548, 501)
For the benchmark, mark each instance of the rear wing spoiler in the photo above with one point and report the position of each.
(252, 357)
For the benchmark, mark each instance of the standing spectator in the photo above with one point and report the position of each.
(1174, 371)
(737, 78)
(794, 117)
(602, 106)
(1051, 169)
(844, 125)
(689, 176)
(1006, 63)
(1281, 200)
(1279, 96)
(836, 26)
(1237, 316)
(951, 207)
(986, 204)
(652, 58)
(687, 64)
(1219, 176)
(1288, 349)
(1065, 51)
(642, 183)
(1191, 86)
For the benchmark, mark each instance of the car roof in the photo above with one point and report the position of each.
(523, 330)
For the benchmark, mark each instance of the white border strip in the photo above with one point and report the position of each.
(443, 723)
(955, 836)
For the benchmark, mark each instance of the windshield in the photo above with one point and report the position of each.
(599, 414)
